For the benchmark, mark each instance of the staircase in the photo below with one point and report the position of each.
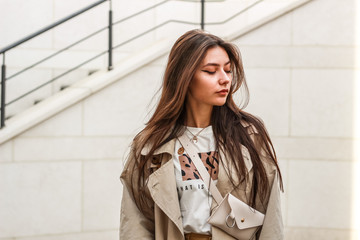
(47, 100)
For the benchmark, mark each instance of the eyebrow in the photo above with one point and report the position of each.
(215, 64)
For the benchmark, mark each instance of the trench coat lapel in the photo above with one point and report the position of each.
(162, 186)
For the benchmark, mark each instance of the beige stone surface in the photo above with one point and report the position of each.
(69, 78)
(102, 194)
(320, 234)
(69, 148)
(124, 10)
(74, 30)
(161, 62)
(25, 22)
(66, 123)
(40, 198)
(185, 11)
(122, 108)
(330, 115)
(270, 98)
(20, 85)
(24, 57)
(133, 27)
(265, 56)
(299, 56)
(100, 235)
(320, 194)
(323, 56)
(314, 148)
(275, 33)
(6, 151)
(330, 23)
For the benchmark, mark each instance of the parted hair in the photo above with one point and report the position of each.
(230, 122)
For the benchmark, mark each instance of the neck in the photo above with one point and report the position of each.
(198, 116)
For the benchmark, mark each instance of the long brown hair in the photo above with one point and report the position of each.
(227, 120)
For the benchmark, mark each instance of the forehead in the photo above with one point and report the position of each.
(216, 55)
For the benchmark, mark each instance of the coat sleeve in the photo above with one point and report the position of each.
(133, 223)
(272, 228)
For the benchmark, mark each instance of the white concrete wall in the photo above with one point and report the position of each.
(60, 179)
(301, 70)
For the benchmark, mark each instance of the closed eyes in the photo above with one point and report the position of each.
(213, 72)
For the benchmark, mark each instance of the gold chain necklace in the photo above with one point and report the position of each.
(195, 137)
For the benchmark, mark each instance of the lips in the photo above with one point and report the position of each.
(223, 91)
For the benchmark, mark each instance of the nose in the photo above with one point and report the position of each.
(225, 78)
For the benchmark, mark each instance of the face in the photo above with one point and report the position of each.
(211, 83)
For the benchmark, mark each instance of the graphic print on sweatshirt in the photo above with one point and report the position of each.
(194, 198)
(189, 171)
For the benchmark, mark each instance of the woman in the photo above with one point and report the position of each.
(164, 197)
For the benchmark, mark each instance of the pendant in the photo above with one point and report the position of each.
(194, 139)
(180, 151)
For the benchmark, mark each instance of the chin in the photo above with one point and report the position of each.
(219, 104)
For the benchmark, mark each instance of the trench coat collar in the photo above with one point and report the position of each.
(166, 148)
(169, 148)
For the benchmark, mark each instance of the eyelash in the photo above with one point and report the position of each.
(215, 72)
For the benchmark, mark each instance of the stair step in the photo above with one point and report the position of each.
(37, 101)
(64, 87)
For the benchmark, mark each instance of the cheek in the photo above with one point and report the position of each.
(198, 82)
(203, 85)
(206, 82)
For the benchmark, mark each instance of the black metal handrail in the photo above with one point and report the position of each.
(235, 15)
(110, 43)
(56, 53)
(39, 32)
(201, 23)
(51, 26)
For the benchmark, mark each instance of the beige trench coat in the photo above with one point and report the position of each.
(167, 222)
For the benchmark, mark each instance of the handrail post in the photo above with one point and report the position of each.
(3, 79)
(110, 66)
(202, 14)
